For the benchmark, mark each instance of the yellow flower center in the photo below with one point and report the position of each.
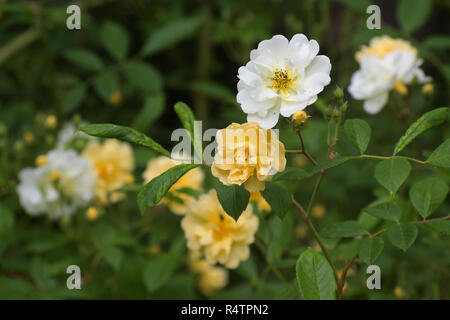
(401, 88)
(222, 226)
(283, 80)
(54, 176)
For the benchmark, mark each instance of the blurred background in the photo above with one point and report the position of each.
(129, 64)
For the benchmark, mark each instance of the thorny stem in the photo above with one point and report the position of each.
(318, 239)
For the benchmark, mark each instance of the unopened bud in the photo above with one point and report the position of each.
(300, 117)
(338, 93)
(428, 89)
(92, 213)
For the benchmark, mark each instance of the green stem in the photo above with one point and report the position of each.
(344, 274)
(303, 151)
(313, 197)
(392, 157)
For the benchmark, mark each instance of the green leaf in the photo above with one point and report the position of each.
(73, 98)
(125, 134)
(427, 195)
(427, 121)
(358, 131)
(169, 34)
(402, 235)
(143, 76)
(391, 173)
(106, 84)
(278, 198)
(234, 199)
(292, 174)
(345, 229)
(157, 188)
(112, 255)
(115, 39)
(158, 271)
(315, 276)
(150, 112)
(441, 226)
(384, 209)
(412, 14)
(6, 221)
(187, 118)
(370, 248)
(84, 59)
(280, 238)
(441, 156)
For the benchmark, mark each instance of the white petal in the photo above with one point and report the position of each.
(267, 122)
(289, 107)
(375, 104)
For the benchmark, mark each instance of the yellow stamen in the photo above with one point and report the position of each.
(282, 80)
(54, 176)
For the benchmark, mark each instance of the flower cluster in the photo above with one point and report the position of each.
(65, 181)
(216, 235)
(386, 64)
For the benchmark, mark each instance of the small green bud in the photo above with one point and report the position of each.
(344, 107)
(338, 93)
(329, 113)
(336, 115)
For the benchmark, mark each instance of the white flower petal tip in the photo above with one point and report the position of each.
(281, 77)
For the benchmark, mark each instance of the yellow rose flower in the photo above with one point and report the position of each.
(216, 235)
(193, 180)
(261, 203)
(247, 154)
(211, 278)
(113, 162)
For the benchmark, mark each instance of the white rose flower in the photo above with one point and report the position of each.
(281, 77)
(65, 183)
(384, 65)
